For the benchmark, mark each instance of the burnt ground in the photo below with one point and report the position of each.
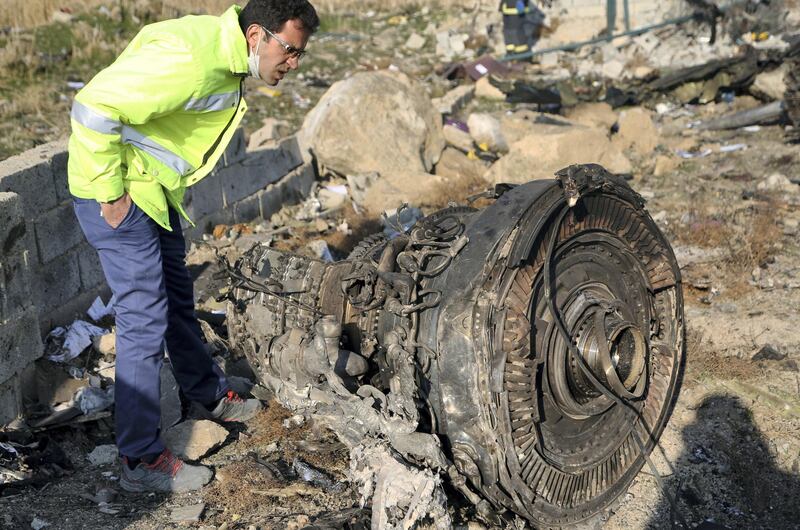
(730, 455)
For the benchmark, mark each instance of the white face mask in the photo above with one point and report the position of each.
(253, 61)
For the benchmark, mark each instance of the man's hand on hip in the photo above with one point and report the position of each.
(114, 212)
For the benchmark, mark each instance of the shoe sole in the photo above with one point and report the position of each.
(137, 487)
(198, 412)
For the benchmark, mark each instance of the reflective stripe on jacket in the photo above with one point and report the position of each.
(158, 119)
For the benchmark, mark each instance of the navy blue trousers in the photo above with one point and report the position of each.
(144, 264)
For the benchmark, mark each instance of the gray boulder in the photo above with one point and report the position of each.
(374, 121)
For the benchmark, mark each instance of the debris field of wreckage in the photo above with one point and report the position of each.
(399, 417)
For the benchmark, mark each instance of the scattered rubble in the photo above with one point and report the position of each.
(667, 108)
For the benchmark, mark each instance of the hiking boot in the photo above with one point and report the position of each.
(232, 408)
(166, 473)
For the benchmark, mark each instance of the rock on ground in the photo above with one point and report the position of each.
(778, 182)
(457, 137)
(455, 99)
(593, 115)
(194, 439)
(455, 164)
(105, 344)
(374, 121)
(485, 129)
(485, 89)
(187, 514)
(415, 42)
(770, 85)
(637, 131)
(393, 189)
(665, 165)
(539, 155)
(271, 130)
(103, 455)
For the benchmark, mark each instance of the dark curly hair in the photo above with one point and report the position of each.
(273, 14)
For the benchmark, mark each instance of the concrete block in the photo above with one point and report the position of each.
(292, 145)
(194, 233)
(292, 189)
(89, 266)
(204, 197)
(271, 200)
(57, 282)
(237, 149)
(206, 224)
(59, 166)
(15, 281)
(247, 209)
(259, 169)
(30, 175)
(20, 343)
(10, 400)
(57, 231)
(455, 99)
(234, 152)
(13, 228)
(299, 182)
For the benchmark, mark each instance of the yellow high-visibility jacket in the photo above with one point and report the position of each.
(158, 119)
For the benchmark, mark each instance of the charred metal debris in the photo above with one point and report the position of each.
(528, 352)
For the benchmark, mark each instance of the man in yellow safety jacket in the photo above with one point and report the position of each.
(522, 23)
(152, 123)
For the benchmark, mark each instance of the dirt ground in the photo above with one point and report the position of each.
(730, 454)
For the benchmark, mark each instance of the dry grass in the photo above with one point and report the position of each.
(703, 362)
(334, 6)
(227, 492)
(31, 13)
(457, 191)
(748, 238)
(267, 427)
(761, 234)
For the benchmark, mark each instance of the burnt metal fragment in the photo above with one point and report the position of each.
(529, 352)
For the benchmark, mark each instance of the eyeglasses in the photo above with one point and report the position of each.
(291, 51)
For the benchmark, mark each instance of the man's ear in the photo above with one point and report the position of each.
(252, 35)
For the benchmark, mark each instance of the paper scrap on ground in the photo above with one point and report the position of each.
(78, 337)
(98, 310)
(693, 154)
(732, 147)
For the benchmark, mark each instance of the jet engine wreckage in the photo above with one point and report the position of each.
(528, 352)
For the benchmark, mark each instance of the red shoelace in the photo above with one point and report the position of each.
(166, 463)
(233, 397)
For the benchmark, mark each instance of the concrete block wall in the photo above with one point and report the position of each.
(20, 341)
(231, 194)
(50, 274)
